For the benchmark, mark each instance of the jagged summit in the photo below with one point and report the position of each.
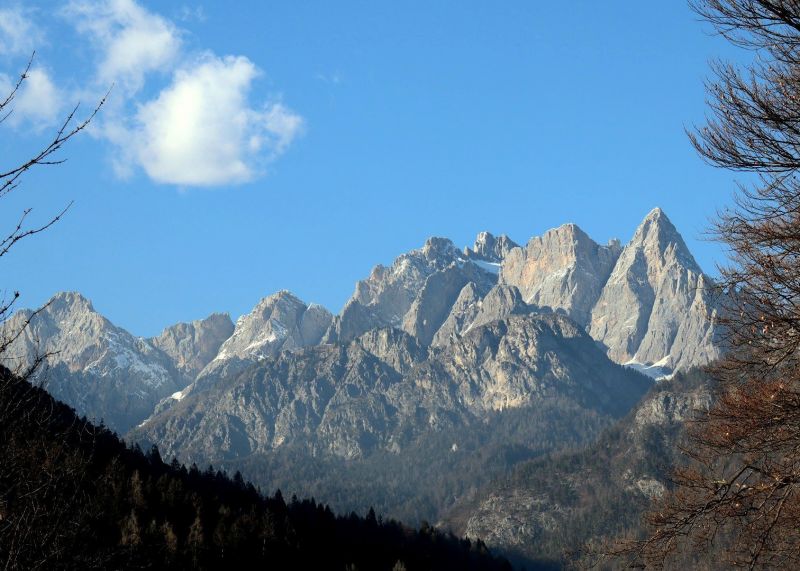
(279, 321)
(657, 235)
(489, 248)
(656, 308)
(437, 248)
(102, 370)
(69, 301)
(400, 296)
(564, 269)
(194, 345)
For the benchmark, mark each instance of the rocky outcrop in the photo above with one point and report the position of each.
(192, 346)
(528, 513)
(490, 249)
(279, 322)
(435, 300)
(657, 307)
(563, 270)
(416, 293)
(101, 370)
(380, 392)
(384, 298)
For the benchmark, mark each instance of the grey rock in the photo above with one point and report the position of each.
(193, 345)
(382, 391)
(394, 347)
(387, 295)
(101, 370)
(462, 314)
(435, 300)
(279, 322)
(563, 270)
(657, 307)
(490, 249)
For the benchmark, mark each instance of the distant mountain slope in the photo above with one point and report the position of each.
(345, 400)
(192, 346)
(402, 426)
(561, 502)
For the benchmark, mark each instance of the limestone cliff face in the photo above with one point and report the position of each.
(99, 369)
(434, 302)
(563, 270)
(657, 306)
(194, 345)
(384, 389)
(415, 293)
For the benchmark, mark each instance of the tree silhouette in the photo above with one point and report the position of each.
(11, 177)
(739, 496)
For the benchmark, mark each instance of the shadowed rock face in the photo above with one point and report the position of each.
(384, 390)
(656, 306)
(101, 370)
(563, 269)
(435, 300)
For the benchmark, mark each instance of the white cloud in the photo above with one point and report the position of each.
(38, 102)
(18, 34)
(133, 41)
(201, 130)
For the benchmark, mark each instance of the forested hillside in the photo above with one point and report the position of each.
(74, 496)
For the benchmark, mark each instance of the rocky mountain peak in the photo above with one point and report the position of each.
(439, 250)
(564, 269)
(93, 365)
(194, 345)
(66, 302)
(660, 240)
(656, 310)
(489, 248)
(389, 294)
(279, 321)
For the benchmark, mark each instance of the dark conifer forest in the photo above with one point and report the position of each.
(75, 496)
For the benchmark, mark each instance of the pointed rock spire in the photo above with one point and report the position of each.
(656, 306)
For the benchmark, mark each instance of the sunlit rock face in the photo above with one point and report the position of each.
(563, 269)
(385, 389)
(101, 370)
(416, 292)
(192, 346)
(657, 308)
(278, 322)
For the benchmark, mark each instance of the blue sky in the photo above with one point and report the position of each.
(294, 145)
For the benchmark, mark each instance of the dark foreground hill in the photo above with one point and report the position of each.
(74, 496)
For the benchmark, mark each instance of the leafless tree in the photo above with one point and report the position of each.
(739, 496)
(34, 518)
(10, 179)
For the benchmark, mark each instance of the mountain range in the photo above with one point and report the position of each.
(460, 363)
